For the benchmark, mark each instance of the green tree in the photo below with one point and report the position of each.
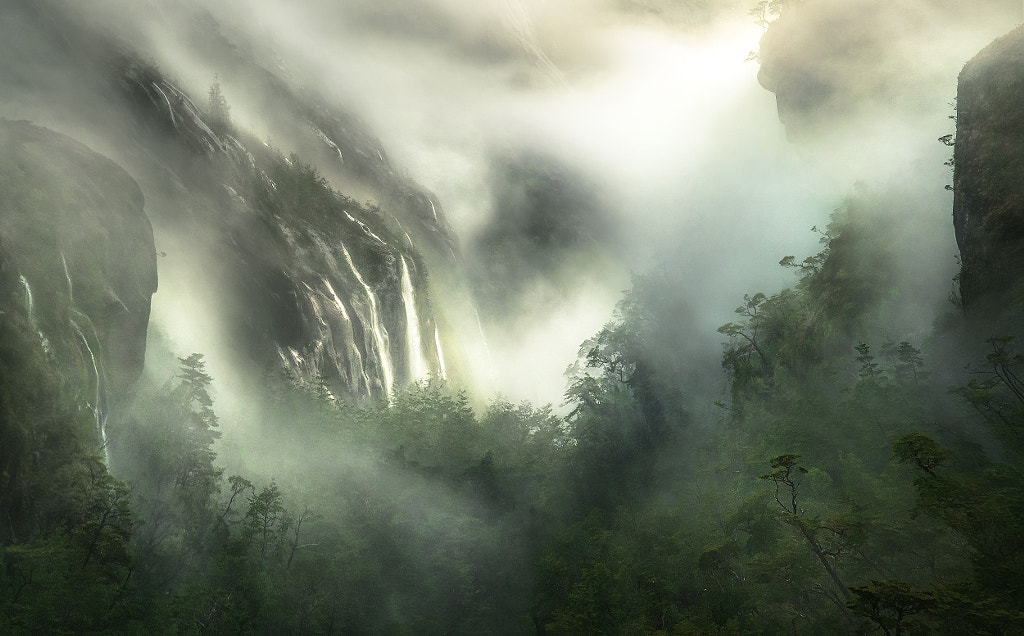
(164, 444)
(197, 476)
(985, 506)
(891, 604)
(998, 392)
(830, 539)
(218, 111)
(267, 523)
(76, 578)
(430, 427)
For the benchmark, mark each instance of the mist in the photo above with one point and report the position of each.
(657, 113)
(490, 317)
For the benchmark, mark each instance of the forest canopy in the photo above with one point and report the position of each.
(839, 482)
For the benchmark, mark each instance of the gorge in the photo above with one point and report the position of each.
(288, 293)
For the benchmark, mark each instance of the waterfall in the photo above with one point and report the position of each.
(292, 363)
(380, 334)
(97, 409)
(357, 367)
(67, 275)
(170, 109)
(314, 361)
(316, 307)
(303, 368)
(30, 309)
(366, 229)
(357, 360)
(418, 368)
(408, 239)
(327, 140)
(285, 362)
(440, 354)
(293, 360)
(97, 405)
(29, 306)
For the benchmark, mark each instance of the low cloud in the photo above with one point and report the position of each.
(647, 109)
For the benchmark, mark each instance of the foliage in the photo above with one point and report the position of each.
(998, 395)
(891, 604)
(767, 11)
(65, 543)
(433, 428)
(886, 505)
(218, 111)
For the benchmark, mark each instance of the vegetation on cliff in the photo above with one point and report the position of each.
(849, 475)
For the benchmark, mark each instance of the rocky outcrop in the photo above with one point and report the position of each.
(310, 281)
(317, 271)
(988, 184)
(831, 62)
(77, 259)
(321, 281)
(343, 147)
(797, 57)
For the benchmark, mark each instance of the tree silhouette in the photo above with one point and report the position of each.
(218, 110)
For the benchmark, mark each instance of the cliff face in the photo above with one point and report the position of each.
(343, 148)
(831, 61)
(329, 290)
(988, 184)
(319, 272)
(77, 259)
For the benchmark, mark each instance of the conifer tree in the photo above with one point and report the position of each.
(218, 110)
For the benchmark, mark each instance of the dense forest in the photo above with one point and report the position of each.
(842, 484)
(843, 481)
(838, 468)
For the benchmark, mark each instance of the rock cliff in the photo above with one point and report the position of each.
(77, 260)
(988, 184)
(833, 63)
(331, 290)
(320, 272)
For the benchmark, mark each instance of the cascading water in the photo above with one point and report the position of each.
(29, 304)
(325, 347)
(97, 408)
(327, 140)
(366, 229)
(30, 310)
(418, 368)
(97, 404)
(310, 365)
(291, 360)
(340, 335)
(67, 275)
(440, 354)
(357, 358)
(380, 334)
(405, 232)
(170, 109)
